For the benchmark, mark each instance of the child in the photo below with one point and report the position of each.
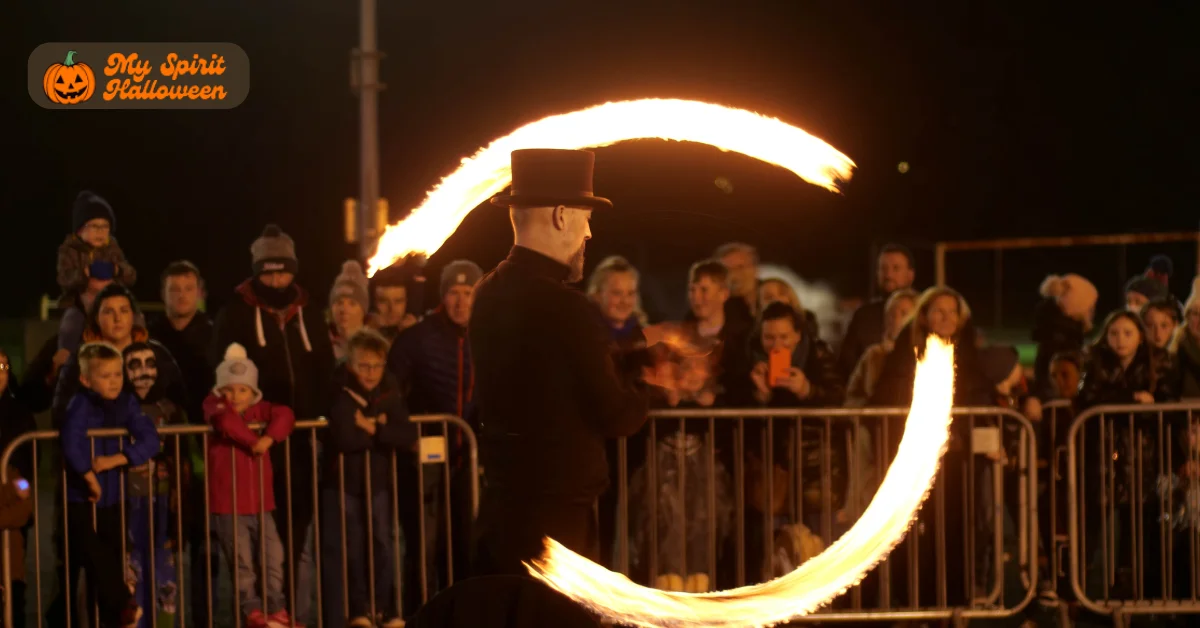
(94, 509)
(1061, 320)
(368, 422)
(151, 494)
(237, 460)
(92, 223)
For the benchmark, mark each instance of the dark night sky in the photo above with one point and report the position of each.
(1016, 119)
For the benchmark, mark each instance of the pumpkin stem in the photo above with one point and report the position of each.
(70, 58)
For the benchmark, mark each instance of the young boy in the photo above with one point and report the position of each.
(94, 482)
(92, 223)
(238, 465)
(368, 422)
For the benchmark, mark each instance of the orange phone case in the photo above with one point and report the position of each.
(780, 366)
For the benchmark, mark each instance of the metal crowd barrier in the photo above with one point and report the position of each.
(978, 528)
(433, 463)
(1134, 509)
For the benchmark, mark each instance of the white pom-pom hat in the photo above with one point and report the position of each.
(237, 368)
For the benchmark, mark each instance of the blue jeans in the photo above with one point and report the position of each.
(246, 529)
(346, 587)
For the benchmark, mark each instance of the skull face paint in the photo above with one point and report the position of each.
(141, 370)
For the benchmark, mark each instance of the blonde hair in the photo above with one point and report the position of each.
(920, 328)
(93, 351)
(1192, 303)
(793, 299)
(608, 267)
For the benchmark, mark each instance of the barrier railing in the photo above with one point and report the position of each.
(1134, 509)
(981, 510)
(172, 521)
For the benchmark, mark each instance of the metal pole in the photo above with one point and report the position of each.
(368, 100)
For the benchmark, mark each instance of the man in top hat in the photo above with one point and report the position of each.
(549, 387)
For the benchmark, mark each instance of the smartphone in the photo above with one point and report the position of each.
(23, 484)
(779, 366)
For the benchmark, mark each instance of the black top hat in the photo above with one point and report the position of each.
(544, 177)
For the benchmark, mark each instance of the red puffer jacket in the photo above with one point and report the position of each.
(232, 446)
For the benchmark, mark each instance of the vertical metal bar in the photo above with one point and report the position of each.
(207, 533)
(292, 559)
(397, 567)
(68, 581)
(234, 518)
(739, 492)
(369, 507)
(680, 455)
(180, 580)
(37, 536)
(652, 496)
(316, 526)
(262, 530)
(96, 532)
(149, 575)
(622, 506)
(1164, 532)
(421, 526)
(448, 510)
(341, 459)
(368, 95)
(712, 502)
(768, 442)
(827, 482)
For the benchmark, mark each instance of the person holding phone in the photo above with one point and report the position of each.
(793, 366)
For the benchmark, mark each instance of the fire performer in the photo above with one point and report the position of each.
(549, 386)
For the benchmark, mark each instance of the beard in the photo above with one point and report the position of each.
(575, 264)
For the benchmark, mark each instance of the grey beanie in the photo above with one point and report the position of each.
(460, 272)
(237, 368)
(274, 252)
(351, 283)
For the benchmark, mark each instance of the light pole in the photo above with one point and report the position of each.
(368, 107)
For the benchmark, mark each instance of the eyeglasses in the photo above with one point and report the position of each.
(5, 367)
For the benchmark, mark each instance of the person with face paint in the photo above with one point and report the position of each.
(549, 386)
(151, 499)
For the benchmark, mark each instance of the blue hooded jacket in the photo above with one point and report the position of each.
(88, 411)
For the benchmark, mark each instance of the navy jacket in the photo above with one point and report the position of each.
(88, 411)
(346, 438)
(432, 362)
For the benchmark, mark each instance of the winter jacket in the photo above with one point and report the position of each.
(169, 376)
(816, 360)
(74, 256)
(547, 384)
(88, 411)
(895, 385)
(1187, 367)
(189, 346)
(291, 351)
(864, 330)
(1104, 382)
(15, 512)
(353, 443)
(230, 451)
(1053, 332)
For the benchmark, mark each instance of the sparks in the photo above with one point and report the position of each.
(487, 173)
(816, 582)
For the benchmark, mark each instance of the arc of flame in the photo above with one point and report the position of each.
(487, 173)
(820, 579)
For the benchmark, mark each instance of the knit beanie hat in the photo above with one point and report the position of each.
(237, 368)
(274, 252)
(460, 273)
(351, 283)
(1076, 296)
(90, 206)
(997, 363)
(1148, 286)
(1162, 265)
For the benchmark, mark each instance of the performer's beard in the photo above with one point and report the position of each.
(576, 265)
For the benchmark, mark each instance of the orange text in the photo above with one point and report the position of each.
(127, 64)
(173, 67)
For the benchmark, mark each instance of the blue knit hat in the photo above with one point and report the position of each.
(90, 206)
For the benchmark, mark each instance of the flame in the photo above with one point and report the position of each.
(487, 173)
(817, 581)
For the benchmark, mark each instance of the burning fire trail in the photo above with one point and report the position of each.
(818, 580)
(487, 173)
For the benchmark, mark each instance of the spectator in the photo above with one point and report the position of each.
(1061, 320)
(1185, 346)
(295, 364)
(741, 262)
(1120, 369)
(1161, 317)
(813, 379)
(92, 225)
(94, 507)
(36, 391)
(896, 313)
(393, 312)
(1066, 369)
(74, 319)
(150, 492)
(368, 423)
(1160, 269)
(1141, 290)
(772, 290)
(613, 287)
(16, 509)
(240, 468)
(187, 333)
(113, 319)
(894, 271)
(349, 304)
(708, 327)
(432, 360)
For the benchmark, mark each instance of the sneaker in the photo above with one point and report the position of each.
(131, 615)
(281, 619)
(256, 619)
(360, 622)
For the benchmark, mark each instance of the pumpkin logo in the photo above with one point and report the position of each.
(69, 82)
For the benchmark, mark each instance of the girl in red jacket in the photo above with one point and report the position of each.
(240, 483)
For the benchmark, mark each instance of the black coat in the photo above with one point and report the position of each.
(346, 438)
(1053, 332)
(547, 383)
(189, 346)
(864, 330)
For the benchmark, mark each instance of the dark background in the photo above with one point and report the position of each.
(1016, 119)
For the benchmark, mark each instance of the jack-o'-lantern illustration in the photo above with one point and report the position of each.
(69, 82)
